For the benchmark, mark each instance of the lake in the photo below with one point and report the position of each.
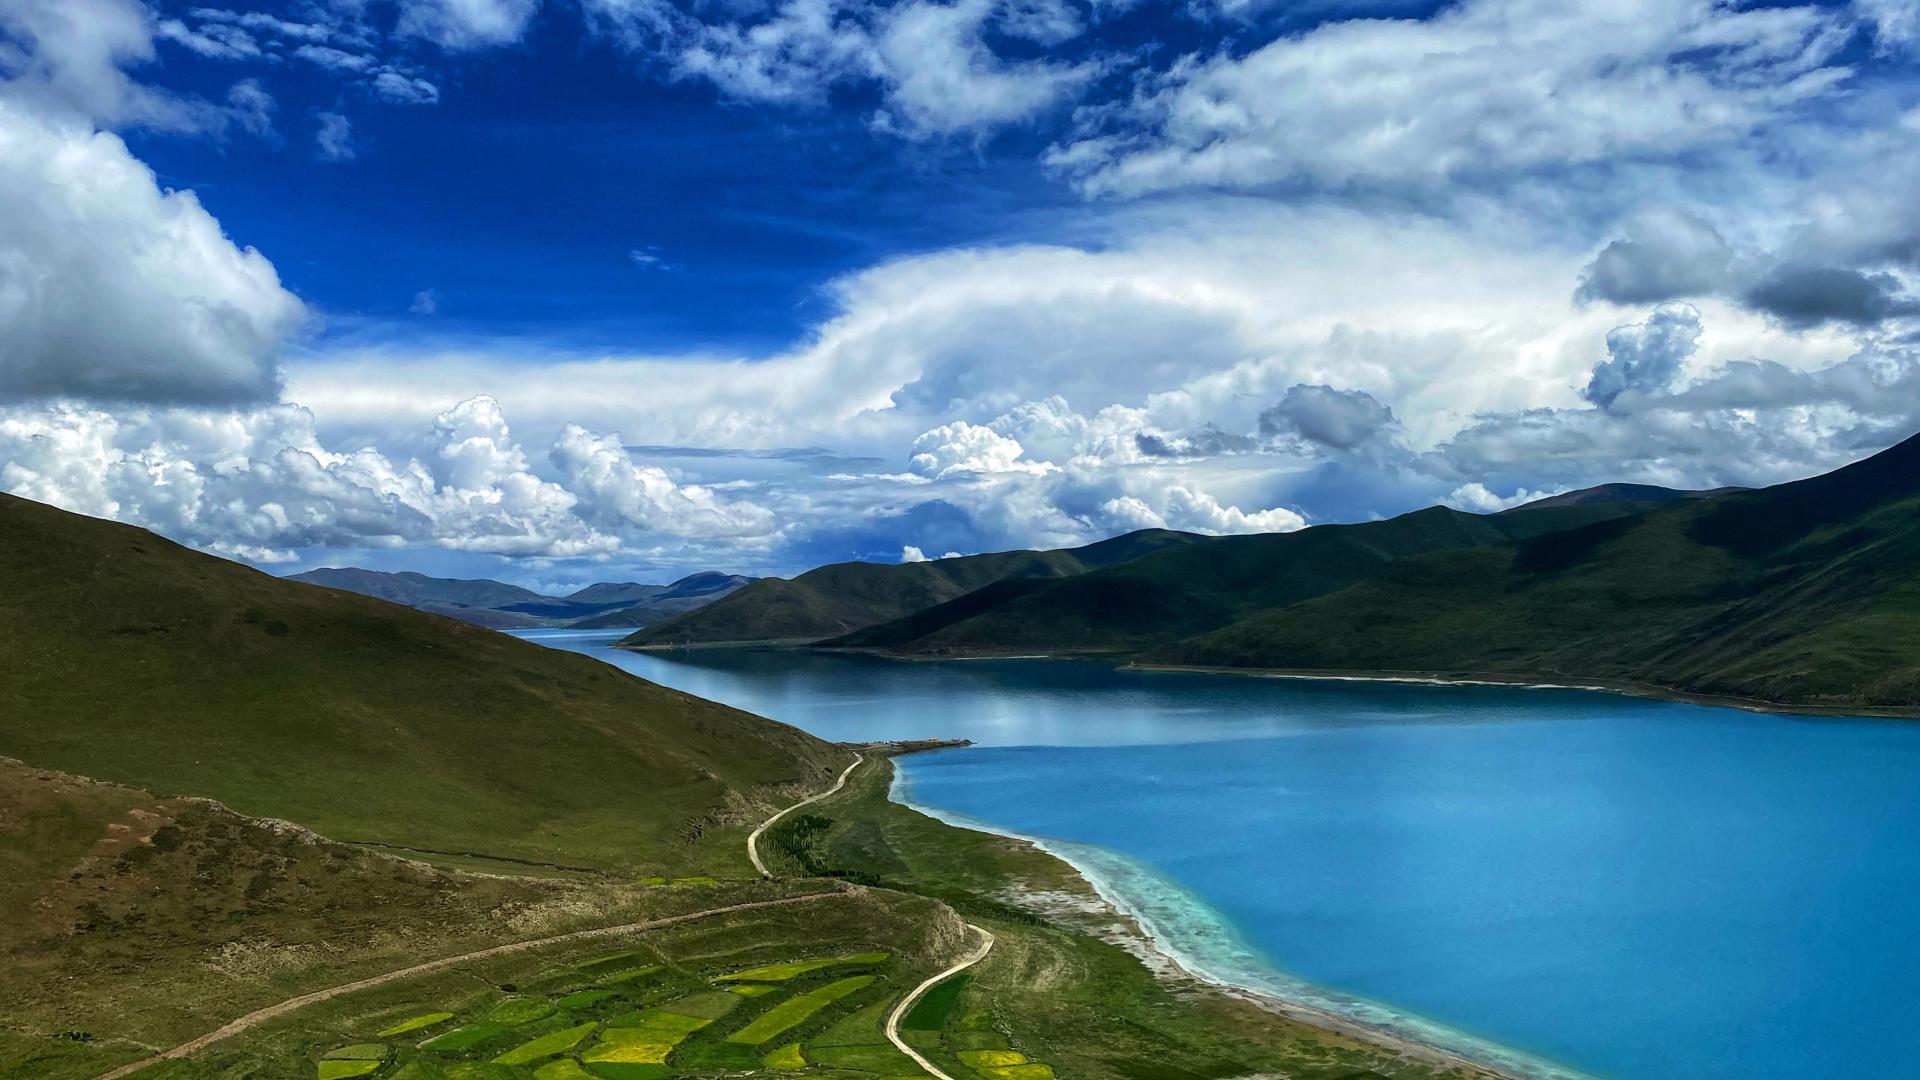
(1630, 889)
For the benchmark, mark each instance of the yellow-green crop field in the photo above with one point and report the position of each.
(636, 1015)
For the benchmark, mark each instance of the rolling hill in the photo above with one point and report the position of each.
(1806, 594)
(689, 593)
(844, 597)
(133, 660)
(1178, 592)
(484, 602)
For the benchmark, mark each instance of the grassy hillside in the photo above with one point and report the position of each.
(414, 589)
(1182, 591)
(132, 659)
(844, 597)
(1807, 593)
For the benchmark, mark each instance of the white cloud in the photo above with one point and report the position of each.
(425, 302)
(113, 288)
(1483, 87)
(401, 89)
(931, 60)
(257, 483)
(961, 448)
(1896, 23)
(1646, 357)
(944, 79)
(333, 59)
(466, 24)
(1475, 498)
(620, 494)
(67, 58)
(333, 137)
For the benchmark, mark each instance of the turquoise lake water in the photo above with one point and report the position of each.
(1633, 890)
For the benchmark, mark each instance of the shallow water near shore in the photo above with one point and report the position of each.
(1637, 890)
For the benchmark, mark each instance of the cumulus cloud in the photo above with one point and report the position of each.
(1485, 87)
(1336, 419)
(113, 288)
(1645, 357)
(1665, 255)
(259, 483)
(1806, 296)
(961, 448)
(68, 58)
(620, 494)
(1477, 498)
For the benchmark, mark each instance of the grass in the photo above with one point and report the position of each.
(546, 1046)
(881, 1058)
(416, 1023)
(363, 719)
(516, 1011)
(584, 999)
(359, 1052)
(930, 1013)
(627, 962)
(708, 1006)
(787, 1059)
(787, 971)
(657, 1025)
(796, 1010)
(465, 1037)
(340, 1070)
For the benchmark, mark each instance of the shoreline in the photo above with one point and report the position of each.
(1118, 658)
(1401, 1033)
(1646, 691)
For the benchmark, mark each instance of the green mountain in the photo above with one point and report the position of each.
(844, 597)
(1646, 495)
(615, 592)
(690, 592)
(1807, 593)
(1179, 592)
(131, 659)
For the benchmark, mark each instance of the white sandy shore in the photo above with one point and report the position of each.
(1155, 937)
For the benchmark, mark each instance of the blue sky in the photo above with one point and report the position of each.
(563, 290)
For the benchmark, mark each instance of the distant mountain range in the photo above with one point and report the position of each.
(484, 602)
(1805, 594)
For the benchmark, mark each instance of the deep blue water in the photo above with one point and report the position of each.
(1637, 890)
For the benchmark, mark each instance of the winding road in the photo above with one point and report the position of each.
(753, 838)
(271, 1012)
(906, 1003)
